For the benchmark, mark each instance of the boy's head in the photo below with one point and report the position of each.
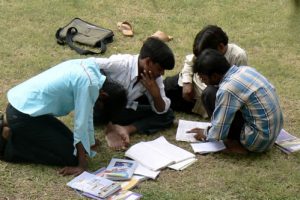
(156, 56)
(212, 37)
(112, 99)
(211, 66)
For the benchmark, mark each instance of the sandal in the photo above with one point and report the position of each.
(126, 28)
(162, 36)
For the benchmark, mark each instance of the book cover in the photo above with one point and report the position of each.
(94, 185)
(120, 169)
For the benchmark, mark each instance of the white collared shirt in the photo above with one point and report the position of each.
(124, 69)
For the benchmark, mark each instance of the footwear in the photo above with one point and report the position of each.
(126, 28)
(162, 36)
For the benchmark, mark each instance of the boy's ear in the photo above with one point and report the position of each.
(216, 78)
(103, 95)
(222, 48)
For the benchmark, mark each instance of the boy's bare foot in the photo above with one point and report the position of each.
(117, 137)
(234, 146)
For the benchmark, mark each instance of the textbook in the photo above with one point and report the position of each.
(127, 184)
(184, 126)
(208, 147)
(120, 169)
(157, 154)
(287, 142)
(94, 185)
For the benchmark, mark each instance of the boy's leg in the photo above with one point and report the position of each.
(232, 142)
(129, 121)
(174, 93)
(145, 120)
(209, 98)
(43, 139)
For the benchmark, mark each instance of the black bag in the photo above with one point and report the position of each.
(84, 33)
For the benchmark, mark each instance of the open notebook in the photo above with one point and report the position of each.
(157, 154)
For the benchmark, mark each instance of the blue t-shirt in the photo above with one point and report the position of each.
(69, 86)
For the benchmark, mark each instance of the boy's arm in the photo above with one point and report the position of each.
(152, 87)
(82, 163)
(186, 78)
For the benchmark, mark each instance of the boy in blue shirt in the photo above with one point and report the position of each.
(32, 132)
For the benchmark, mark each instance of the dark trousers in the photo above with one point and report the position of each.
(144, 118)
(174, 93)
(43, 139)
(209, 99)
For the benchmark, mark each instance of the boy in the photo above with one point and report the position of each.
(247, 114)
(186, 89)
(140, 75)
(31, 131)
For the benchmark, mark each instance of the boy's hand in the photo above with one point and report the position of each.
(149, 82)
(199, 133)
(71, 171)
(188, 92)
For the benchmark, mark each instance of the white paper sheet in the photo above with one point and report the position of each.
(184, 126)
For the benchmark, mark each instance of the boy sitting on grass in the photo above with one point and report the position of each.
(247, 114)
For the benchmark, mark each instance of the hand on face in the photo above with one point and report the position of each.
(149, 82)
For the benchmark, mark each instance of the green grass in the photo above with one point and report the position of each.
(268, 30)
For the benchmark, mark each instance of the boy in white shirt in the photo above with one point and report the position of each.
(186, 90)
(141, 75)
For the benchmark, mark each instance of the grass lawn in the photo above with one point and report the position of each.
(268, 30)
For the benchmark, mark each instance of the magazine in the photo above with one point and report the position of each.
(94, 185)
(287, 142)
(120, 169)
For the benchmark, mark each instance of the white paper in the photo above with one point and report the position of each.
(184, 126)
(157, 154)
(174, 152)
(208, 147)
(183, 164)
(148, 156)
(141, 170)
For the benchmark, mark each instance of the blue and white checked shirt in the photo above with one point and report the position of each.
(71, 85)
(244, 89)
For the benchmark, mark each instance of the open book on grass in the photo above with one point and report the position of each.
(287, 142)
(184, 126)
(157, 154)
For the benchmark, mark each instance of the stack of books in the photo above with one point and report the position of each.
(287, 142)
(109, 183)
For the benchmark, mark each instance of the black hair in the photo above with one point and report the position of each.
(159, 52)
(209, 37)
(211, 61)
(116, 99)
